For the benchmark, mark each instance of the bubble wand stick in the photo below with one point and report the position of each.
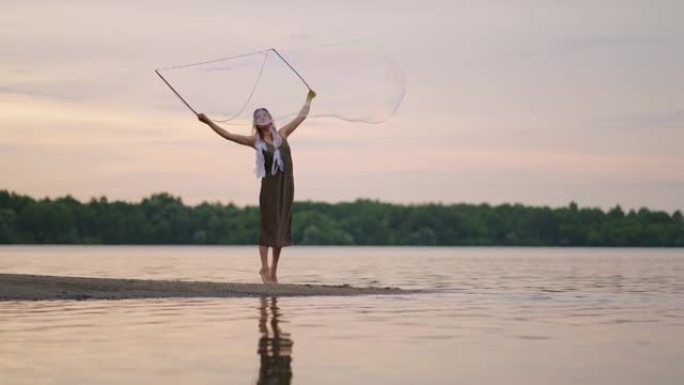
(292, 68)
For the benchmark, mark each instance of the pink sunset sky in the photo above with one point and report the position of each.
(533, 102)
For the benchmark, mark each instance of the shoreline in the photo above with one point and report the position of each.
(49, 287)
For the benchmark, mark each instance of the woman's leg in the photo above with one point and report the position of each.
(264, 272)
(274, 265)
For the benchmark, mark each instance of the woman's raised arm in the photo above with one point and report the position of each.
(287, 129)
(240, 139)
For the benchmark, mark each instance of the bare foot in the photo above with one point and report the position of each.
(265, 274)
(274, 279)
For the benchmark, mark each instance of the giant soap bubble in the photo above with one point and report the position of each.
(354, 81)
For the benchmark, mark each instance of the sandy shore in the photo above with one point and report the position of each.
(44, 287)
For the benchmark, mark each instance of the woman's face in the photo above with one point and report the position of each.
(262, 118)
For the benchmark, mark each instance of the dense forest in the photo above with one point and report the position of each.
(165, 219)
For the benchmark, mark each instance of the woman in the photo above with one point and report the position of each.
(274, 166)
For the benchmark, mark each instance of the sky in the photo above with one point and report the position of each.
(512, 101)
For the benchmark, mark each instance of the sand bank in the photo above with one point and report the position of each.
(44, 287)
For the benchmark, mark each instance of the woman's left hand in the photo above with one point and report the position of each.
(311, 95)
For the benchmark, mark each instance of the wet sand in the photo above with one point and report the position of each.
(47, 287)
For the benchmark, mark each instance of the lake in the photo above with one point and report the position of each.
(497, 315)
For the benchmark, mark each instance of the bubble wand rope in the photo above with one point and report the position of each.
(232, 57)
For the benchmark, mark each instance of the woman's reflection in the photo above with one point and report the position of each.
(275, 346)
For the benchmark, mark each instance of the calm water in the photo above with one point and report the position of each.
(500, 316)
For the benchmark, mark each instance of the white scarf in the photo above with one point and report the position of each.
(261, 162)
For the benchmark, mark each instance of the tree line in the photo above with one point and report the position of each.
(164, 219)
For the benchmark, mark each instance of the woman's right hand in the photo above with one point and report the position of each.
(203, 118)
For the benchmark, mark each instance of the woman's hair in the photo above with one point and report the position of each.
(254, 127)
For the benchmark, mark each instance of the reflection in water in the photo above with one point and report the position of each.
(536, 316)
(275, 346)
